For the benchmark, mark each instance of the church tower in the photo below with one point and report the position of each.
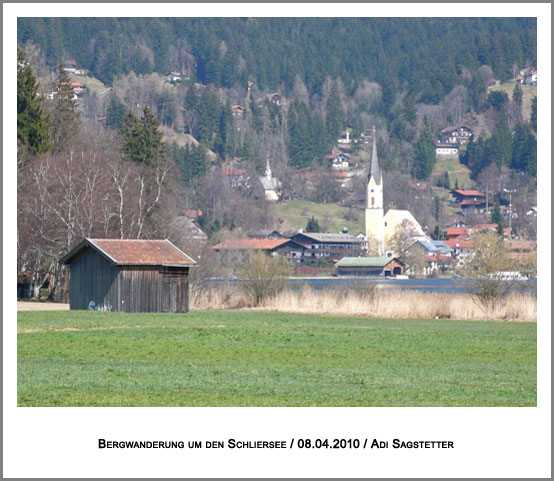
(374, 217)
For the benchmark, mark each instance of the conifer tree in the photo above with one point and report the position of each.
(425, 156)
(208, 117)
(496, 215)
(334, 119)
(518, 95)
(499, 146)
(143, 141)
(115, 112)
(312, 225)
(64, 115)
(32, 121)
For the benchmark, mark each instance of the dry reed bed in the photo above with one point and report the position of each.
(520, 307)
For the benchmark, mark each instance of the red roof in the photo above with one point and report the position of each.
(475, 193)
(418, 186)
(193, 213)
(134, 252)
(257, 244)
(461, 242)
(456, 231)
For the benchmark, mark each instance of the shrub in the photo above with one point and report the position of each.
(264, 276)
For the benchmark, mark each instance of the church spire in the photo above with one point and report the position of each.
(375, 172)
(267, 169)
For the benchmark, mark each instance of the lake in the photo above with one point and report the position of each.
(446, 285)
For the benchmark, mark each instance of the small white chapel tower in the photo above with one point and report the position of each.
(374, 216)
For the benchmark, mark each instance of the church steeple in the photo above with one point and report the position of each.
(374, 223)
(374, 171)
(267, 169)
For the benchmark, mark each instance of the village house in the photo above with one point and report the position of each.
(370, 266)
(173, 76)
(530, 78)
(456, 135)
(447, 149)
(185, 229)
(437, 263)
(469, 201)
(453, 232)
(471, 207)
(275, 99)
(236, 250)
(193, 213)
(128, 275)
(237, 110)
(339, 161)
(70, 65)
(463, 248)
(237, 177)
(431, 247)
(327, 246)
(459, 195)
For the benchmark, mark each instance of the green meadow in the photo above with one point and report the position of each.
(249, 358)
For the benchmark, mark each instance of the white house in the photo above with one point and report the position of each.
(339, 161)
(446, 149)
(173, 76)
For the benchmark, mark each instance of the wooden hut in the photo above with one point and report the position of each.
(125, 275)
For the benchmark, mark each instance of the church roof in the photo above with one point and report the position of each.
(405, 215)
(272, 183)
(375, 172)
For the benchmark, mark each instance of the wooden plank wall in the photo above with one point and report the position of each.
(127, 288)
(154, 289)
(139, 289)
(93, 278)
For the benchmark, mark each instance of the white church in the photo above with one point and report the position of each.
(270, 184)
(381, 227)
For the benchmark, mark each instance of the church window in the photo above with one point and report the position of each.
(372, 201)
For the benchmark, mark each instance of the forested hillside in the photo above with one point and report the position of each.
(422, 56)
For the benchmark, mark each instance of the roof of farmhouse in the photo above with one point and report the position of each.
(134, 252)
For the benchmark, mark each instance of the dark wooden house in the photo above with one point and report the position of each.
(128, 276)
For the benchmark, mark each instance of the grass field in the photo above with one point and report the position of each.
(456, 171)
(528, 91)
(331, 217)
(92, 83)
(249, 358)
